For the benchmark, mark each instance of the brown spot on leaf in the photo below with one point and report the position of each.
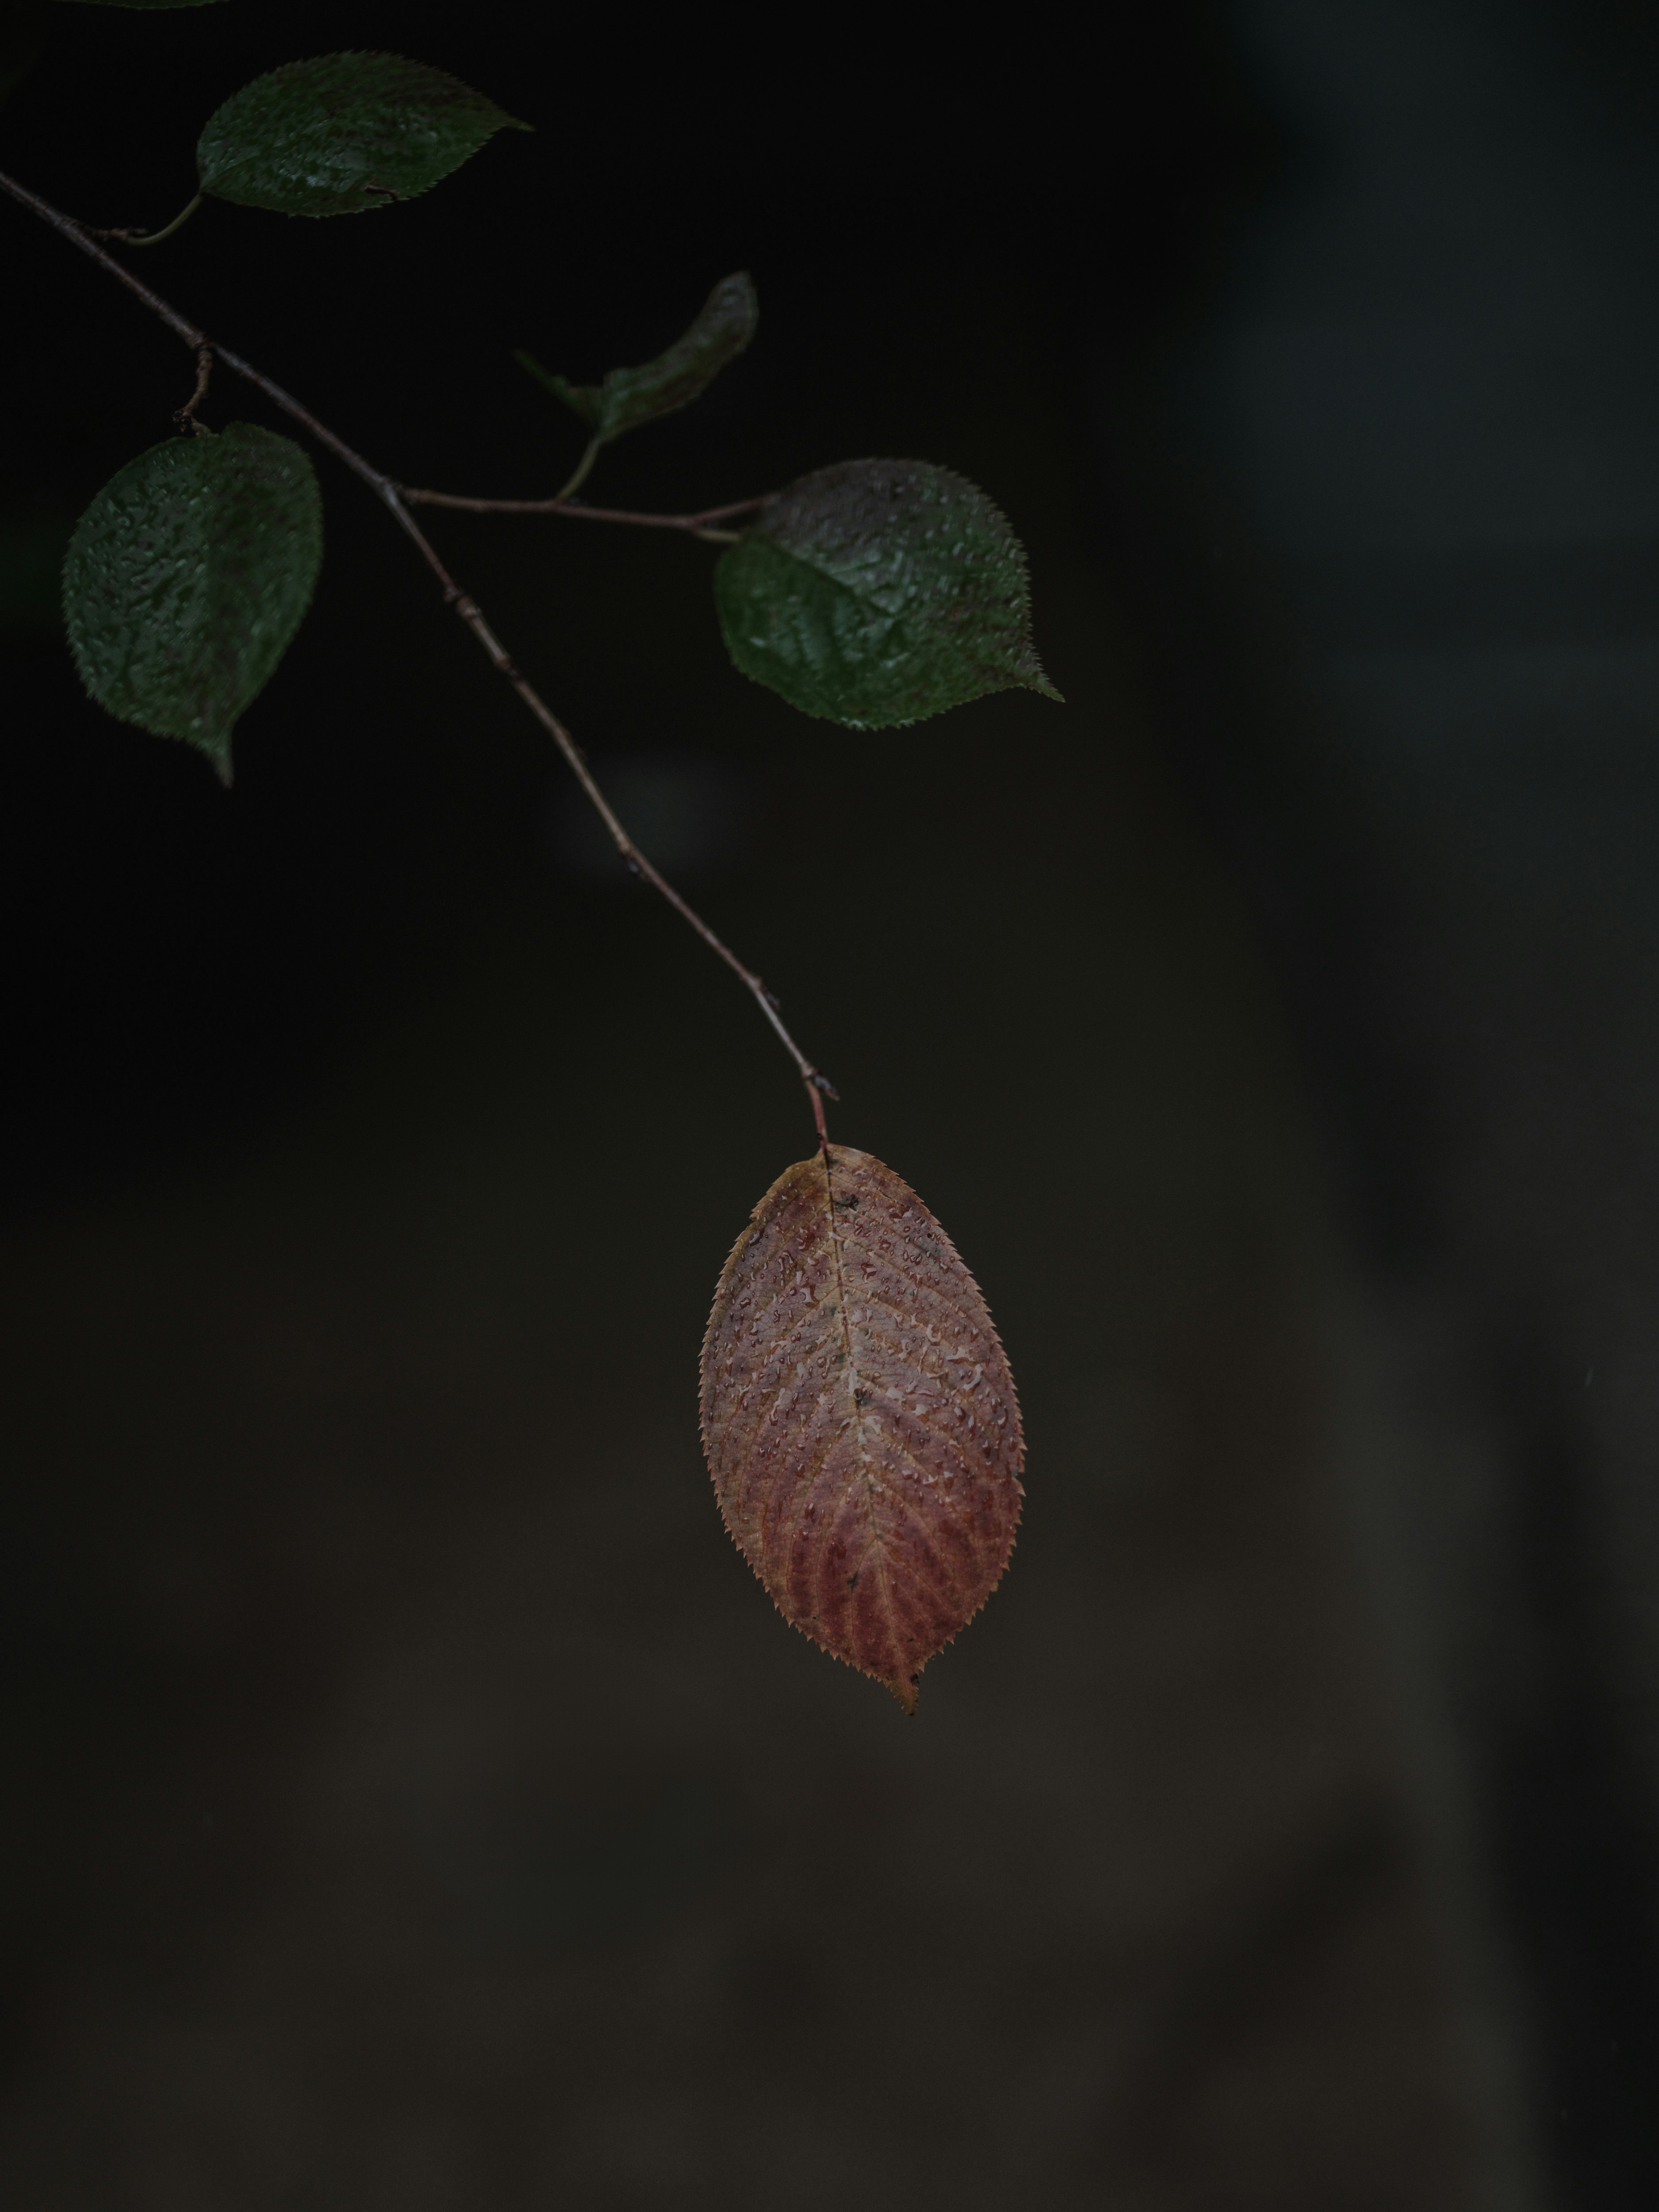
(859, 1417)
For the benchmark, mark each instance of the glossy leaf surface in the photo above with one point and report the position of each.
(629, 397)
(878, 593)
(859, 1417)
(343, 134)
(188, 577)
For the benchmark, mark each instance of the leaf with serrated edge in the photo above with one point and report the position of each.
(188, 577)
(343, 134)
(875, 593)
(859, 1418)
(629, 397)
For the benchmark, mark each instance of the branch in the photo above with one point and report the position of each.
(694, 526)
(392, 496)
(186, 415)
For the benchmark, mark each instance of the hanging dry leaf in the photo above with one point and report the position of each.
(859, 1417)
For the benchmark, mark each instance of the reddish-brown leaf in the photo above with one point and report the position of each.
(859, 1417)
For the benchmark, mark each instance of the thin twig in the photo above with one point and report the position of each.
(695, 525)
(186, 416)
(393, 497)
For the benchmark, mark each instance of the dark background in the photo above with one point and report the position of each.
(411, 1799)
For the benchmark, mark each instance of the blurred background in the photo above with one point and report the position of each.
(412, 1801)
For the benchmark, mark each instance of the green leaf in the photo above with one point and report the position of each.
(188, 577)
(343, 134)
(629, 397)
(877, 593)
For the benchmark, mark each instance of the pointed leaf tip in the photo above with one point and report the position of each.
(878, 592)
(343, 133)
(186, 579)
(859, 1418)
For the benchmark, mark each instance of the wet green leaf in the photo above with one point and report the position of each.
(878, 593)
(343, 134)
(188, 577)
(629, 397)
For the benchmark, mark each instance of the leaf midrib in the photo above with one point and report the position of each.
(851, 1369)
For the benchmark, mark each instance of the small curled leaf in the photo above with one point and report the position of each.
(188, 577)
(343, 134)
(629, 397)
(877, 593)
(859, 1418)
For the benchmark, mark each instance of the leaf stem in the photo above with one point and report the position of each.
(154, 237)
(392, 495)
(130, 237)
(584, 467)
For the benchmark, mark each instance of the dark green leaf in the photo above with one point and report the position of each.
(629, 397)
(343, 134)
(877, 593)
(186, 578)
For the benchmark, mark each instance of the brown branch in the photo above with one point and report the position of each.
(392, 496)
(186, 416)
(694, 526)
